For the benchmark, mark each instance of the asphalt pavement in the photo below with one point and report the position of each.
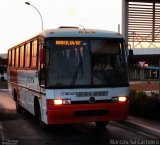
(151, 127)
(137, 123)
(147, 126)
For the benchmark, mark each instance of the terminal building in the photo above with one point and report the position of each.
(141, 29)
(144, 64)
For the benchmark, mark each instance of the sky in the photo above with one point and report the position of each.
(19, 21)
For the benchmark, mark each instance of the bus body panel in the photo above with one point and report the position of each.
(87, 113)
(85, 93)
(67, 113)
(25, 83)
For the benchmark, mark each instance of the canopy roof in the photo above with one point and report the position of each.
(143, 20)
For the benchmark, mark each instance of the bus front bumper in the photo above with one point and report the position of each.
(66, 114)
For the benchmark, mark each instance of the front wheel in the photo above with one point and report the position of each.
(101, 124)
(38, 116)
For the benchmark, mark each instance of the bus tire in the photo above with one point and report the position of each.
(38, 116)
(101, 124)
(19, 109)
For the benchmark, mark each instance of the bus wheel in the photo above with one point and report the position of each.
(19, 108)
(38, 116)
(101, 124)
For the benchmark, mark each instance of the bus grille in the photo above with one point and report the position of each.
(88, 113)
(89, 94)
(87, 102)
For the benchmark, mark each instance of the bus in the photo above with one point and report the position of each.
(70, 75)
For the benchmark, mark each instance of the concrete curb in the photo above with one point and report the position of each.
(137, 126)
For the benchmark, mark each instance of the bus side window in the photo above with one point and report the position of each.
(27, 55)
(17, 57)
(22, 56)
(9, 58)
(34, 53)
(13, 57)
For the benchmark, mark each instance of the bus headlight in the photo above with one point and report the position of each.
(57, 101)
(66, 101)
(122, 99)
(119, 99)
(61, 101)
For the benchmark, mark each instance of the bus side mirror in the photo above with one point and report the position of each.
(130, 52)
(42, 56)
(130, 56)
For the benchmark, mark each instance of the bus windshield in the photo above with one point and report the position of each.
(81, 63)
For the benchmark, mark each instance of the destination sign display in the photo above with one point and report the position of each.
(68, 42)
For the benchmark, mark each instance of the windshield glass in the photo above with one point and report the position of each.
(69, 63)
(108, 62)
(81, 63)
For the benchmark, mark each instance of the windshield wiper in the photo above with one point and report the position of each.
(78, 68)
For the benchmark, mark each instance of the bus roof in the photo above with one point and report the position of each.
(76, 32)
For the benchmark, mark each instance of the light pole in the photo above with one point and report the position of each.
(27, 3)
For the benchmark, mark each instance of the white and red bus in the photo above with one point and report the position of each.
(70, 75)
